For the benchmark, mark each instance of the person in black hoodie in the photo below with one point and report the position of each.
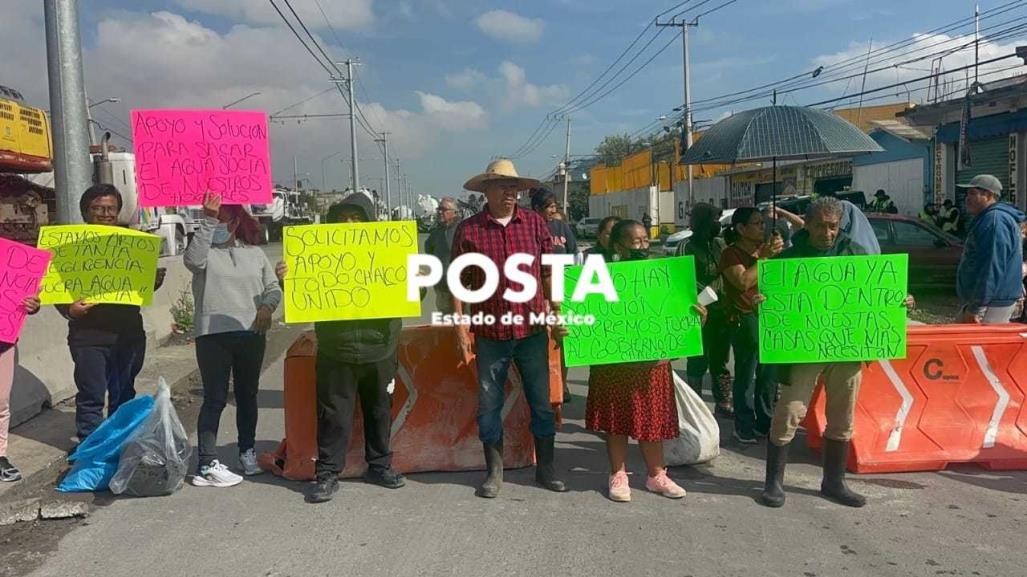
(354, 358)
(107, 341)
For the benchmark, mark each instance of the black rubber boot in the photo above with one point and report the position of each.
(773, 488)
(836, 454)
(545, 471)
(494, 466)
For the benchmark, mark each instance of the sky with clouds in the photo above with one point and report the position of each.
(457, 82)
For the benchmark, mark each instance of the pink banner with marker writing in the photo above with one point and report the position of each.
(181, 154)
(21, 269)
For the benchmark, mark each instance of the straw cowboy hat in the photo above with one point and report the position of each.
(499, 170)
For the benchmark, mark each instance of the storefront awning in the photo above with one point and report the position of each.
(986, 126)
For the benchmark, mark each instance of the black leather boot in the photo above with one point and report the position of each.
(773, 488)
(545, 471)
(494, 465)
(836, 454)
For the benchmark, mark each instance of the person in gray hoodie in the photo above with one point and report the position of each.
(235, 293)
(354, 358)
(989, 280)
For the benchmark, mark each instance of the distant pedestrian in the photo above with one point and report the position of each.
(989, 280)
(440, 245)
(754, 385)
(705, 246)
(929, 214)
(949, 217)
(647, 222)
(235, 293)
(882, 203)
(355, 358)
(107, 341)
(634, 400)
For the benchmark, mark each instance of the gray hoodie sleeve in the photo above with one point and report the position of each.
(272, 296)
(195, 257)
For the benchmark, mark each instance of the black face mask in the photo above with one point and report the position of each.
(638, 254)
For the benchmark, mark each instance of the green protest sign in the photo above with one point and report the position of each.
(652, 319)
(846, 308)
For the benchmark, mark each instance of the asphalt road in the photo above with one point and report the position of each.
(960, 522)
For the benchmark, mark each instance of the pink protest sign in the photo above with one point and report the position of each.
(181, 154)
(21, 269)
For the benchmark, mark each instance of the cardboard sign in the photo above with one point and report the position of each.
(846, 308)
(21, 270)
(101, 264)
(181, 154)
(348, 271)
(653, 320)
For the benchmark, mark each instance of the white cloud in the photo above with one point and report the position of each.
(466, 79)
(511, 27)
(519, 92)
(454, 116)
(343, 14)
(923, 44)
(165, 60)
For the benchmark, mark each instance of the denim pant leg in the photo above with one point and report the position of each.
(247, 361)
(744, 341)
(493, 360)
(91, 378)
(126, 363)
(215, 361)
(532, 357)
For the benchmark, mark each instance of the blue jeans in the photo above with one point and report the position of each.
(104, 371)
(532, 357)
(755, 387)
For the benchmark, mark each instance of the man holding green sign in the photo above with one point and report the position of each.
(825, 312)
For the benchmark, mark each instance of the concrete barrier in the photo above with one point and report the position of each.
(44, 373)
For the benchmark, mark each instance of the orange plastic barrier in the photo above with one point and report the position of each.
(958, 397)
(434, 409)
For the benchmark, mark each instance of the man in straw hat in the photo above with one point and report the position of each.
(499, 231)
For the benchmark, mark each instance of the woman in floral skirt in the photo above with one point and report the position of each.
(634, 400)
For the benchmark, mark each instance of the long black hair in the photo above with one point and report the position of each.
(705, 219)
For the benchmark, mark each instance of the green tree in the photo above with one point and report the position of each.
(613, 149)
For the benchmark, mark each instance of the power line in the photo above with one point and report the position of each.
(298, 37)
(317, 44)
(304, 101)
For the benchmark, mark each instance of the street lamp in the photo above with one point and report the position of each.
(113, 99)
(234, 102)
(324, 185)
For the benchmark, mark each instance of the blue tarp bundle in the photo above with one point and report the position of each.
(96, 459)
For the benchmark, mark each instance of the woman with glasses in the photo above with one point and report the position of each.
(107, 341)
(754, 387)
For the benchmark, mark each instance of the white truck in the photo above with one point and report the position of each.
(287, 208)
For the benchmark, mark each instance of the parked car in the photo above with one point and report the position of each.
(588, 227)
(670, 244)
(933, 255)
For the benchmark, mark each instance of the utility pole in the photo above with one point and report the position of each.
(73, 170)
(567, 168)
(355, 171)
(388, 192)
(295, 173)
(685, 25)
(977, 40)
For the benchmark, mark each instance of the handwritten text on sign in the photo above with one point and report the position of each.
(833, 309)
(652, 320)
(102, 264)
(21, 267)
(348, 271)
(181, 154)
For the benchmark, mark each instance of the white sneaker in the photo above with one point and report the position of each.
(216, 475)
(248, 460)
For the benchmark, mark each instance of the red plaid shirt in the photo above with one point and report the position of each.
(527, 233)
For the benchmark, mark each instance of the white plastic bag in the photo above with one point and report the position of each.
(699, 437)
(154, 459)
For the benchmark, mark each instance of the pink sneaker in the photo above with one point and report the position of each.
(663, 485)
(620, 491)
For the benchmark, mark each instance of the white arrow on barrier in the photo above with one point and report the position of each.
(401, 415)
(1003, 396)
(895, 437)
